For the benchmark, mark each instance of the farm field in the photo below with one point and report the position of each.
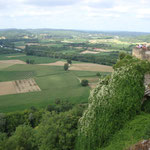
(52, 80)
(18, 86)
(83, 66)
(37, 60)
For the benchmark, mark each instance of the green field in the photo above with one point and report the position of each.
(37, 60)
(53, 81)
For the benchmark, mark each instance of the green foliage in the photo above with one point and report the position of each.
(147, 132)
(98, 74)
(60, 106)
(22, 139)
(3, 139)
(122, 55)
(10, 121)
(146, 106)
(69, 61)
(128, 60)
(115, 101)
(2, 122)
(109, 58)
(58, 131)
(66, 66)
(29, 61)
(84, 82)
(133, 131)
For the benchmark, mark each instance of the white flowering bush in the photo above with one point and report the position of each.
(114, 101)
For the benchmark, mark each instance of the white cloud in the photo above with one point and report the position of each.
(98, 14)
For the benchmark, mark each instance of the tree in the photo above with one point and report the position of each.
(29, 61)
(58, 131)
(2, 122)
(66, 66)
(84, 82)
(69, 61)
(57, 101)
(98, 74)
(22, 139)
(122, 55)
(3, 140)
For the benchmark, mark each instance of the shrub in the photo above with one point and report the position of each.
(69, 61)
(66, 66)
(98, 74)
(84, 82)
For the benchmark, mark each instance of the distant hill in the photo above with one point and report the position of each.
(10, 32)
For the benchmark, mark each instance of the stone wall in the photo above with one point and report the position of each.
(141, 54)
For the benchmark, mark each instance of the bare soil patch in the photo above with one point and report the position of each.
(89, 52)
(18, 86)
(7, 63)
(101, 50)
(92, 85)
(13, 62)
(32, 44)
(7, 88)
(91, 67)
(21, 47)
(4, 65)
(83, 66)
(58, 63)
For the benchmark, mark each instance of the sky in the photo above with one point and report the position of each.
(101, 15)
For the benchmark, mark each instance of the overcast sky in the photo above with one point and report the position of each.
(120, 15)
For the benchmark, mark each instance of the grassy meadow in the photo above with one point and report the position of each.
(23, 57)
(53, 81)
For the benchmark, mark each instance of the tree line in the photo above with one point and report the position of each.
(54, 127)
(108, 59)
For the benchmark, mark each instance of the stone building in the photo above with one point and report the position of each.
(141, 53)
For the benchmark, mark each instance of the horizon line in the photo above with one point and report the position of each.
(90, 30)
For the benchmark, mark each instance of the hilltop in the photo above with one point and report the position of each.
(116, 113)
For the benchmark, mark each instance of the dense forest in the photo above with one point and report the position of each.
(54, 127)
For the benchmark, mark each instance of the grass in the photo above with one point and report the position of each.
(37, 60)
(20, 43)
(88, 73)
(53, 81)
(15, 75)
(133, 132)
